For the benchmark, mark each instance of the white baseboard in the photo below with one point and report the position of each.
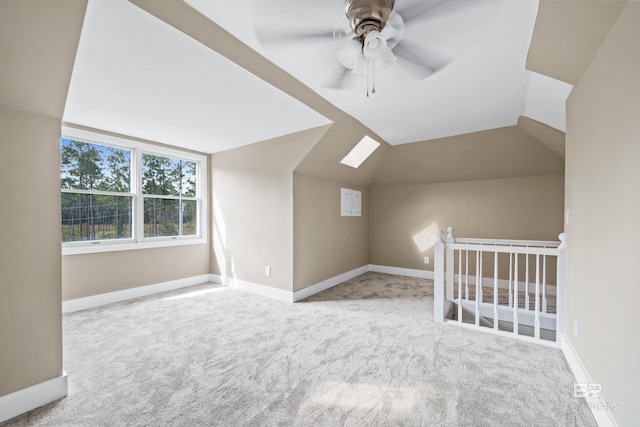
(267, 291)
(329, 283)
(35, 396)
(409, 272)
(256, 288)
(126, 294)
(603, 417)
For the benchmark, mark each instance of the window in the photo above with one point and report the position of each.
(96, 192)
(169, 190)
(360, 152)
(118, 194)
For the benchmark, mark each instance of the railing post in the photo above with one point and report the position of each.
(561, 288)
(450, 269)
(438, 277)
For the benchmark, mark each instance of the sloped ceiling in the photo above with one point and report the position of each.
(194, 74)
(568, 34)
(38, 44)
(492, 154)
(137, 76)
(481, 45)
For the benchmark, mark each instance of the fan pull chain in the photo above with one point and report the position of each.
(371, 83)
(373, 77)
(368, 71)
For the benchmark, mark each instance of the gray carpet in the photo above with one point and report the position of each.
(363, 353)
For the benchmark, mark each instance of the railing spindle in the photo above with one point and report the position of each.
(544, 283)
(537, 304)
(495, 291)
(466, 284)
(526, 284)
(516, 303)
(460, 285)
(477, 304)
(481, 275)
(510, 277)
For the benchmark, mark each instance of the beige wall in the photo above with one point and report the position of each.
(500, 183)
(98, 273)
(603, 196)
(497, 153)
(253, 208)
(567, 35)
(326, 244)
(38, 41)
(404, 218)
(30, 312)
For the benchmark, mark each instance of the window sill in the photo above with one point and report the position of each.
(107, 246)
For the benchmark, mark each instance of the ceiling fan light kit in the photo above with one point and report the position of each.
(348, 55)
(374, 45)
(367, 19)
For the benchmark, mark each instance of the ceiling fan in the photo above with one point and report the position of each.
(374, 36)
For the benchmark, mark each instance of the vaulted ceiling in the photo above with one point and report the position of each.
(211, 75)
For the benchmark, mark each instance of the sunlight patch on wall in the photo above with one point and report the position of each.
(360, 152)
(219, 236)
(366, 396)
(426, 239)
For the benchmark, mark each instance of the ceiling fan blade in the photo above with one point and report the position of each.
(419, 61)
(338, 78)
(424, 11)
(270, 36)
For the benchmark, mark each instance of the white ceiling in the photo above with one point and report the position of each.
(138, 76)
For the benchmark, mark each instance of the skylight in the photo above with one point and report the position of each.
(360, 152)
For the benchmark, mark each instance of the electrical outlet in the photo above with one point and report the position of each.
(566, 217)
(575, 329)
(267, 271)
(426, 260)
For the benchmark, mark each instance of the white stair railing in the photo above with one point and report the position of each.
(527, 277)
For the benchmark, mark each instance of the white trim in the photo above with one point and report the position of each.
(255, 288)
(138, 149)
(96, 246)
(501, 333)
(126, 294)
(329, 283)
(603, 417)
(409, 272)
(32, 397)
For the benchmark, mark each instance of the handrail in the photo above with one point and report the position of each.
(526, 258)
(507, 242)
(530, 250)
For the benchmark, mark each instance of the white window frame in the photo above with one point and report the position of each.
(138, 241)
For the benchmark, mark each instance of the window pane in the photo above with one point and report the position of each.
(161, 217)
(94, 167)
(158, 176)
(187, 185)
(189, 217)
(164, 176)
(95, 217)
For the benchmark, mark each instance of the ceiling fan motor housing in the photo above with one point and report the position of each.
(367, 15)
